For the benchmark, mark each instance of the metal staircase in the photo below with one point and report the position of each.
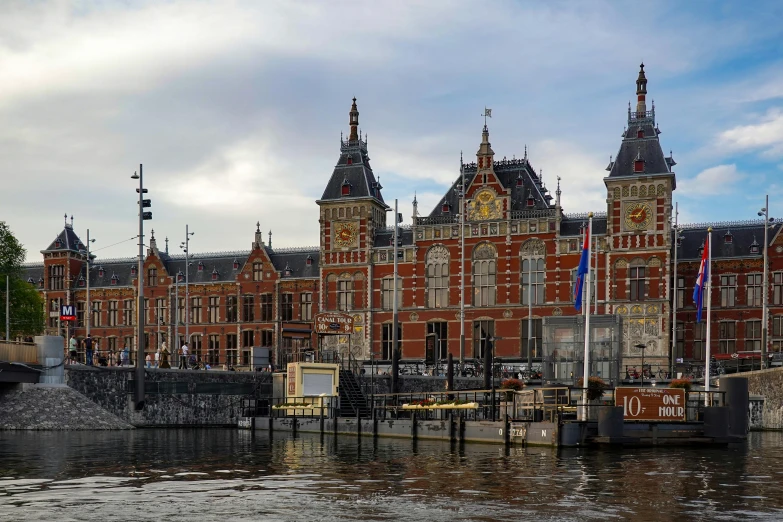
(352, 399)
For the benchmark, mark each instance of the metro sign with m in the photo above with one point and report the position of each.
(67, 313)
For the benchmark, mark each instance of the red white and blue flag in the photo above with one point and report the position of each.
(584, 266)
(701, 279)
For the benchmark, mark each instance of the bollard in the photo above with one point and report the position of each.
(358, 424)
(413, 425)
(507, 430)
(322, 418)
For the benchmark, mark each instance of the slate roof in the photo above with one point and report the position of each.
(33, 272)
(743, 235)
(68, 241)
(296, 262)
(510, 173)
(647, 148)
(353, 167)
(573, 226)
(384, 238)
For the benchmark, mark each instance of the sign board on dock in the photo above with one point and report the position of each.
(334, 323)
(651, 404)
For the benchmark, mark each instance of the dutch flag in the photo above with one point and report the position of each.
(701, 279)
(584, 266)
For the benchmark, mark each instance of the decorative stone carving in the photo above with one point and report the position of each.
(414, 316)
(661, 190)
(622, 310)
(621, 263)
(652, 309)
(636, 309)
(438, 254)
(625, 192)
(617, 193)
(485, 251)
(557, 311)
(634, 191)
(507, 313)
(654, 262)
(485, 205)
(533, 247)
(642, 191)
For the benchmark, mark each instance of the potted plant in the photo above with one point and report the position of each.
(595, 387)
(685, 384)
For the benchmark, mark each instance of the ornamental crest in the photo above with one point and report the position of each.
(485, 206)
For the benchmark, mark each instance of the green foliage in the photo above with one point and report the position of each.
(685, 384)
(26, 304)
(595, 387)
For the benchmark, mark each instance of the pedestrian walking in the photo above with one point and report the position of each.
(157, 358)
(72, 344)
(88, 349)
(183, 357)
(148, 360)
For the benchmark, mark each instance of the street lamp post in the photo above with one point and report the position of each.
(673, 352)
(143, 203)
(641, 346)
(185, 245)
(767, 220)
(88, 309)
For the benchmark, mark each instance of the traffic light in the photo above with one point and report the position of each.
(145, 203)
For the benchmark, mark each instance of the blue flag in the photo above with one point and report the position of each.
(584, 266)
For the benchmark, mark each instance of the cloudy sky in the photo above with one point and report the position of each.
(236, 108)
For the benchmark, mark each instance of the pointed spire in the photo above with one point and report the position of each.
(525, 151)
(71, 220)
(354, 122)
(65, 218)
(259, 240)
(167, 244)
(270, 238)
(641, 93)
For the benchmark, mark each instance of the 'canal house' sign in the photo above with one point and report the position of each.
(333, 324)
(651, 404)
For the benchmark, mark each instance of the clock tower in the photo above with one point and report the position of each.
(639, 205)
(351, 210)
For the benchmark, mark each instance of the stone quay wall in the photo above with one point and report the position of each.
(418, 383)
(768, 384)
(172, 397)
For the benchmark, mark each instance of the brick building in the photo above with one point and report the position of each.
(520, 245)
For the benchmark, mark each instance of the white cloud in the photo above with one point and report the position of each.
(766, 134)
(721, 179)
(581, 174)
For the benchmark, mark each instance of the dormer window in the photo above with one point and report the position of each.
(40, 282)
(728, 238)
(638, 165)
(180, 277)
(446, 208)
(200, 266)
(530, 201)
(309, 260)
(30, 280)
(114, 279)
(640, 133)
(349, 160)
(81, 281)
(215, 274)
(133, 270)
(100, 271)
(57, 244)
(287, 270)
(345, 190)
(679, 240)
(754, 247)
(519, 181)
(236, 264)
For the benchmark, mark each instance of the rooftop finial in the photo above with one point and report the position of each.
(258, 226)
(354, 122)
(71, 220)
(65, 218)
(167, 244)
(641, 93)
(270, 231)
(525, 151)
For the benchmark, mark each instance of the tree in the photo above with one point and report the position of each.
(26, 304)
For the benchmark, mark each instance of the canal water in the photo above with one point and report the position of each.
(225, 475)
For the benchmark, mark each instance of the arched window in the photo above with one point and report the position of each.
(484, 275)
(438, 277)
(636, 275)
(533, 272)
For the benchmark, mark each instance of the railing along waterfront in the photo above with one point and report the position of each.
(11, 351)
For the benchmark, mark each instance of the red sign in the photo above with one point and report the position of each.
(651, 404)
(333, 323)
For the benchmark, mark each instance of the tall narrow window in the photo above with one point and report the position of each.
(231, 309)
(56, 277)
(195, 346)
(266, 307)
(248, 338)
(306, 306)
(248, 308)
(484, 275)
(113, 310)
(160, 311)
(232, 353)
(96, 313)
(754, 289)
(214, 309)
(637, 282)
(680, 293)
(387, 341)
(345, 295)
(387, 292)
(777, 333)
(286, 307)
(679, 347)
(213, 352)
(152, 275)
(440, 329)
(777, 288)
(753, 336)
(438, 277)
(728, 337)
(698, 341)
(728, 291)
(534, 344)
(258, 271)
(80, 314)
(532, 279)
(267, 337)
(128, 315)
(195, 310)
(483, 333)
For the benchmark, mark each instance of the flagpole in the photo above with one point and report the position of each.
(586, 369)
(708, 289)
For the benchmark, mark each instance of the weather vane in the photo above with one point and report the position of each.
(487, 114)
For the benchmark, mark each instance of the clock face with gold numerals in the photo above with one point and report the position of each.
(638, 216)
(345, 234)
